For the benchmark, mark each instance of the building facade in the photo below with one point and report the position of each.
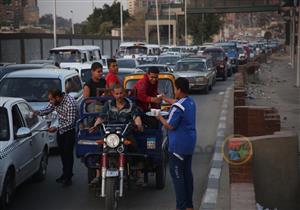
(18, 12)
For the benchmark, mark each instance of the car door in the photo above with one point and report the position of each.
(38, 137)
(21, 149)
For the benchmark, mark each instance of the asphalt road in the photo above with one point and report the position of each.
(48, 195)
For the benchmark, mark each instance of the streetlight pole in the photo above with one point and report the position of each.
(121, 20)
(54, 23)
(157, 23)
(185, 23)
(293, 32)
(169, 23)
(72, 22)
(298, 50)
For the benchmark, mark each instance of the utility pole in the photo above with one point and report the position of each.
(298, 50)
(202, 22)
(72, 22)
(185, 23)
(293, 32)
(157, 23)
(121, 20)
(54, 23)
(169, 23)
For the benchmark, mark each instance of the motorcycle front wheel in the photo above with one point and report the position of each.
(111, 194)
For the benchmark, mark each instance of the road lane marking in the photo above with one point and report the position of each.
(210, 197)
(214, 173)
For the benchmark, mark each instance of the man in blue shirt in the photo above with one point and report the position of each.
(182, 140)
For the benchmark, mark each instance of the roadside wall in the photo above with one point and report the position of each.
(275, 170)
(21, 48)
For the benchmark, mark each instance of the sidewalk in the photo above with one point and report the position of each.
(276, 88)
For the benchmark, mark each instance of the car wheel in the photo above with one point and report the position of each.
(8, 191)
(206, 89)
(40, 175)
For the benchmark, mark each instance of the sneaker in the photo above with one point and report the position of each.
(67, 182)
(95, 181)
(140, 182)
(60, 179)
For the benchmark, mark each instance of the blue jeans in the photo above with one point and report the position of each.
(181, 173)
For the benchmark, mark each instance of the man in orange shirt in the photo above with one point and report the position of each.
(112, 76)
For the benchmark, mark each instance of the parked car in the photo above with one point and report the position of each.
(169, 60)
(67, 55)
(19, 67)
(127, 63)
(161, 67)
(243, 56)
(23, 147)
(33, 86)
(199, 71)
(231, 52)
(220, 60)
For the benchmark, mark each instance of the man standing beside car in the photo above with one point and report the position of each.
(182, 140)
(66, 108)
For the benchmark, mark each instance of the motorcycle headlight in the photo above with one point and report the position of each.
(112, 140)
(222, 66)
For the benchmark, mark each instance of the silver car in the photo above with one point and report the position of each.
(23, 147)
(33, 85)
(200, 72)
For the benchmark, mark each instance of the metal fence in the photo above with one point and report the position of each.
(23, 47)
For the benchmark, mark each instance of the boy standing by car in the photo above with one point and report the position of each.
(182, 140)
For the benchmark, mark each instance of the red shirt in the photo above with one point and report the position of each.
(111, 79)
(145, 90)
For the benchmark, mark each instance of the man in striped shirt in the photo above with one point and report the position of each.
(66, 108)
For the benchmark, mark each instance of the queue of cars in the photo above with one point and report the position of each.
(24, 87)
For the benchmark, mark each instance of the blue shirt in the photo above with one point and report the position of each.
(182, 117)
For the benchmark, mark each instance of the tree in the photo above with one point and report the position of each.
(135, 28)
(61, 22)
(210, 26)
(104, 19)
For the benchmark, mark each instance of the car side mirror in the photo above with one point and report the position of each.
(23, 132)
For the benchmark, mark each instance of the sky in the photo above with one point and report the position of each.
(81, 8)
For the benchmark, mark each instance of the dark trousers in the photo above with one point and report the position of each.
(66, 144)
(181, 173)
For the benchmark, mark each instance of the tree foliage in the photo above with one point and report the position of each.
(135, 27)
(200, 30)
(61, 22)
(104, 19)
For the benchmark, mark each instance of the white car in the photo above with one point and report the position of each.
(23, 147)
(33, 85)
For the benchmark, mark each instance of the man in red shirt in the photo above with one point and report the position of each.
(112, 76)
(146, 89)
